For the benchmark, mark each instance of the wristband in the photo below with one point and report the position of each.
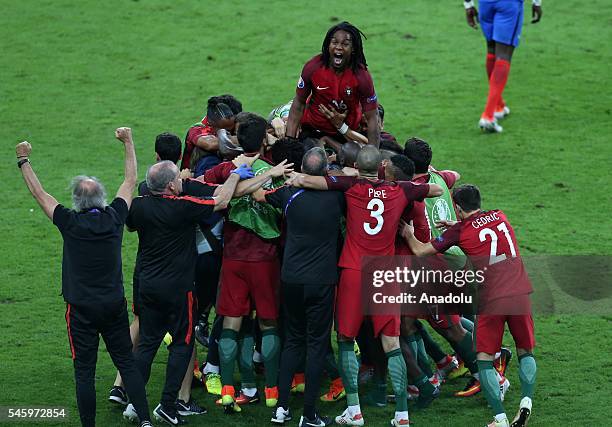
(21, 162)
(469, 4)
(537, 2)
(343, 129)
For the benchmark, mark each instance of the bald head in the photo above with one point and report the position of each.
(160, 175)
(368, 160)
(315, 162)
(348, 153)
(87, 193)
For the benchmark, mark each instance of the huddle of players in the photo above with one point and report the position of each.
(254, 281)
(334, 100)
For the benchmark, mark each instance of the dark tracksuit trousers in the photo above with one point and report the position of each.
(85, 324)
(307, 313)
(174, 313)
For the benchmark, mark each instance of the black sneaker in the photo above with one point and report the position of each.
(317, 421)
(117, 395)
(168, 416)
(521, 418)
(280, 415)
(202, 332)
(189, 408)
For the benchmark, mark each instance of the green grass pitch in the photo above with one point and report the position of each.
(71, 72)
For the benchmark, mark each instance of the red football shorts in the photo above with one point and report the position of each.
(490, 331)
(244, 284)
(350, 311)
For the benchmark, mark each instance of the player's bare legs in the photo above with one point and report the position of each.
(494, 387)
(527, 375)
(270, 351)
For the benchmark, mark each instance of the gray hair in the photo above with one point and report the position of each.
(87, 193)
(315, 162)
(160, 175)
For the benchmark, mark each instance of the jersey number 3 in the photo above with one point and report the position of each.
(377, 207)
(494, 258)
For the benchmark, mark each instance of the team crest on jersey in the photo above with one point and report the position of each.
(441, 211)
(301, 83)
(348, 91)
(371, 99)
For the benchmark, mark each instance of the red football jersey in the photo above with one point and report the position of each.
(351, 91)
(487, 238)
(193, 134)
(374, 209)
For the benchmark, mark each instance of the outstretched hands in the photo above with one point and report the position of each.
(282, 169)
(334, 116)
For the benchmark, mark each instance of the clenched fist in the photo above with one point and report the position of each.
(124, 134)
(23, 149)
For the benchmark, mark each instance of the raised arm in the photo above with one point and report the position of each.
(295, 116)
(126, 190)
(46, 201)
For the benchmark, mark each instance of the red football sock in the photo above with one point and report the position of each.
(490, 63)
(497, 83)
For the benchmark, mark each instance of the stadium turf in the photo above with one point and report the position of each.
(74, 71)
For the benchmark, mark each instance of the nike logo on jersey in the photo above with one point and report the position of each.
(322, 88)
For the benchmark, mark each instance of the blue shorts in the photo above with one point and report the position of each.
(501, 20)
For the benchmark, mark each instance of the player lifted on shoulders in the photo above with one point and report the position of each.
(487, 238)
(374, 208)
(501, 22)
(336, 79)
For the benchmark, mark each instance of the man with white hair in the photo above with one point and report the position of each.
(166, 222)
(92, 281)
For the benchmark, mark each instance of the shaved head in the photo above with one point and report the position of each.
(348, 153)
(368, 160)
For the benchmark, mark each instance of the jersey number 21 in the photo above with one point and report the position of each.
(494, 258)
